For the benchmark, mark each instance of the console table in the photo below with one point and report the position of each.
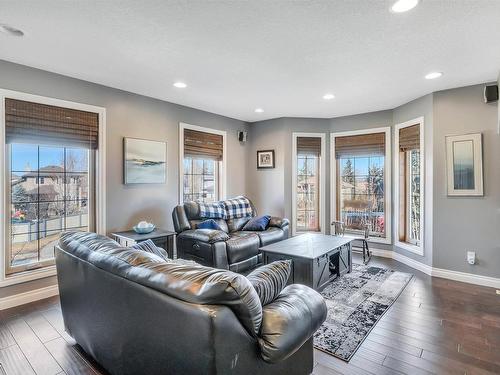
(317, 259)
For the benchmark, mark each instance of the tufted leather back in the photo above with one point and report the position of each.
(187, 282)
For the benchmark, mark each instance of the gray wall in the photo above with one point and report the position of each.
(130, 115)
(467, 223)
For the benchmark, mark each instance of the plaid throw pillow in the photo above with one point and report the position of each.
(238, 207)
(214, 210)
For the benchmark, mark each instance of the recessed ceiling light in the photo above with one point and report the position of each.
(259, 110)
(180, 85)
(433, 75)
(401, 6)
(6, 29)
(328, 96)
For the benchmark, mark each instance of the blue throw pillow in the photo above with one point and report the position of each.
(258, 223)
(209, 224)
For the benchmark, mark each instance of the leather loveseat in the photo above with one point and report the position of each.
(137, 313)
(229, 248)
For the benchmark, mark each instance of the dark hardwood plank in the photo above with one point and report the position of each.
(36, 353)
(42, 328)
(6, 338)
(71, 362)
(14, 362)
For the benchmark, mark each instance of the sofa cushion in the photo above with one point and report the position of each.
(150, 247)
(258, 223)
(204, 235)
(187, 282)
(221, 223)
(235, 225)
(208, 224)
(270, 279)
(242, 245)
(270, 235)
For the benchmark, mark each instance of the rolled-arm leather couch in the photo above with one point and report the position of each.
(230, 248)
(137, 313)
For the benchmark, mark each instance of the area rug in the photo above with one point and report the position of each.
(356, 302)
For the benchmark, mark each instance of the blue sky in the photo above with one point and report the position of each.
(24, 155)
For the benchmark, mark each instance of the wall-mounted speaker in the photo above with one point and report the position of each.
(490, 93)
(242, 136)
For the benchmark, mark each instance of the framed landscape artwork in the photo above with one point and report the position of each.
(265, 159)
(464, 165)
(145, 162)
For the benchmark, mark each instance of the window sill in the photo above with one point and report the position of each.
(411, 248)
(25, 276)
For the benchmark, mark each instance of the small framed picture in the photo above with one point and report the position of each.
(464, 165)
(144, 161)
(265, 159)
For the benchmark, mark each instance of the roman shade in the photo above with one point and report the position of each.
(28, 122)
(360, 145)
(409, 138)
(201, 144)
(309, 145)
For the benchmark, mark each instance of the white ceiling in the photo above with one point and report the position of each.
(282, 56)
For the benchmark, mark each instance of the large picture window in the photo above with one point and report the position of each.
(361, 198)
(50, 179)
(202, 164)
(409, 185)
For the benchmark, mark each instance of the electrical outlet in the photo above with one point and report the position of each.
(471, 257)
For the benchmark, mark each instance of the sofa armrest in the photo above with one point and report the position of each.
(204, 235)
(278, 222)
(289, 321)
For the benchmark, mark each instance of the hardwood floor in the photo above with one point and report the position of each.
(436, 326)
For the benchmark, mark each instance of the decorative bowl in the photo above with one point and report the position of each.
(144, 230)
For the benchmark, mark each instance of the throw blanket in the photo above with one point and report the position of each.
(238, 207)
(214, 210)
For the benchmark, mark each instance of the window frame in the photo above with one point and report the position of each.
(334, 177)
(222, 165)
(321, 179)
(416, 248)
(99, 182)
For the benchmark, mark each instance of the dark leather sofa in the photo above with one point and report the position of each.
(137, 313)
(231, 248)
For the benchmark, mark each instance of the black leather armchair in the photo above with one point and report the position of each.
(136, 313)
(231, 248)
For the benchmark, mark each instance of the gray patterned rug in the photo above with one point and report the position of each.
(356, 302)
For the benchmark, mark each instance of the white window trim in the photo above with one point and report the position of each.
(387, 179)
(416, 249)
(322, 175)
(100, 183)
(223, 172)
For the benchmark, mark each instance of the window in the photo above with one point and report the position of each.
(200, 179)
(361, 198)
(308, 190)
(409, 169)
(202, 164)
(50, 154)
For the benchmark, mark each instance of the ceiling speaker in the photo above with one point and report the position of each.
(490, 93)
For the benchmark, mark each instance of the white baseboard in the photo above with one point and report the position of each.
(439, 272)
(27, 297)
(467, 277)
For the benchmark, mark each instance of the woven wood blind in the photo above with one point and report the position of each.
(360, 145)
(309, 145)
(203, 144)
(28, 122)
(409, 138)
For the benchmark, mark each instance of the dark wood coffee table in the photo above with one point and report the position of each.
(317, 259)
